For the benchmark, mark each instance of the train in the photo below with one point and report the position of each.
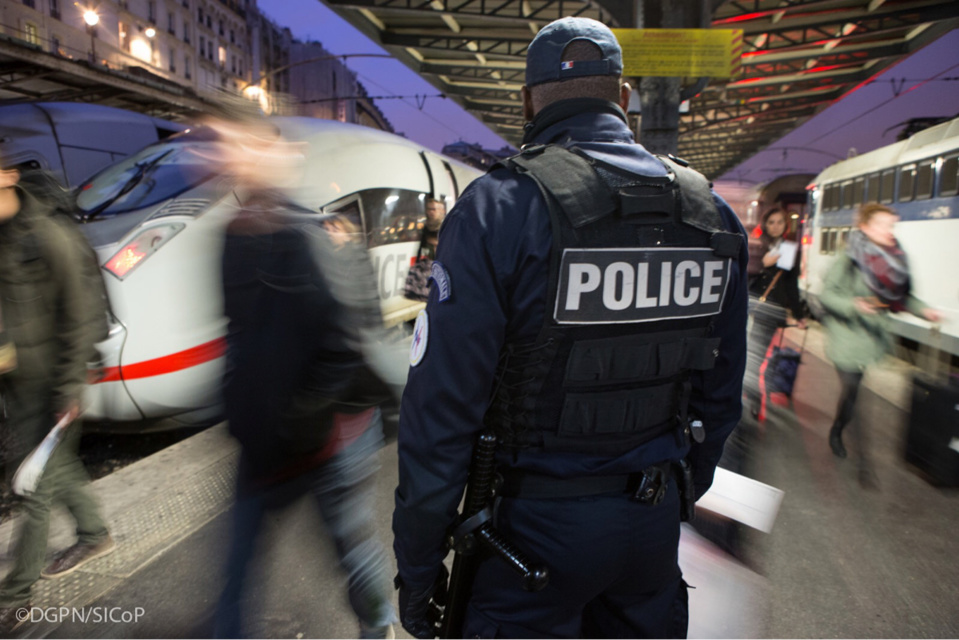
(156, 220)
(919, 178)
(73, 140)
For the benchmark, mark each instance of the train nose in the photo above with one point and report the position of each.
(106, 395)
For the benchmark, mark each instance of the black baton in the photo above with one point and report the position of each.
(475, 529)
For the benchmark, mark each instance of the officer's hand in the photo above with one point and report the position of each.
(415, 611)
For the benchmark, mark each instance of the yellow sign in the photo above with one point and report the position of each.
(671, 53)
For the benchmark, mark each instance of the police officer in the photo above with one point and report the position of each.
(589, 306)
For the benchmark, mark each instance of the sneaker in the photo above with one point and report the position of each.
(69, 560)
(11, 618)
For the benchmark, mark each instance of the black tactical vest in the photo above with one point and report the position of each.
(638, 271)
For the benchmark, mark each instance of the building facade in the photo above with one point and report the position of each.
(208, 46)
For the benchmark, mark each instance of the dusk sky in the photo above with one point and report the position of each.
(927, 83)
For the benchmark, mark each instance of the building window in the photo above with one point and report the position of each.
(55, 45)
(187, 63)
(186, 31)
(172, 61)
(209, 49)
(55, 9)
(221, 28)
(186, 4)
(209, 22)
(152, 11)
(199, 15)
(30, 3)
(222, 56)
(31, 34)
(170, 23)
(232, 36)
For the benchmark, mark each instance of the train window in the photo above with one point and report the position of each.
(157, 173)
(858, 191)
(949, 176)
(830, 199)
(346, 222)
(887, 189)
(844, 237)
(907, 183)
(833, 239)
(394, 215)
(924, 181)
(872, 188)
(824, 241)
(847, 194)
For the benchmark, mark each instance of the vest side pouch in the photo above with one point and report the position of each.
(637, 359)
(630, 411)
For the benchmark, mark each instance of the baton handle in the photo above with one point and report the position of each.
(535, 578)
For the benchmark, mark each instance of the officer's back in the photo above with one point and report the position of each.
(588, 309)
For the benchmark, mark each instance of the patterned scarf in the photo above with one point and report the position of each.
(884, 269)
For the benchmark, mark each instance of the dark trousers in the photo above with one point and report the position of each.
(66, 482)
(613, 571)
(343, 492)
(846, 412)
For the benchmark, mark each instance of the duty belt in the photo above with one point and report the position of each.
(647, 486)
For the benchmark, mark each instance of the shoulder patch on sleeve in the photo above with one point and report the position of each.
(441, 277)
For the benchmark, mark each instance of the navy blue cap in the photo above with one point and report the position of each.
(544, 56)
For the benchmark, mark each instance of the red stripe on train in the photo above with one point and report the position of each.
(165, 364)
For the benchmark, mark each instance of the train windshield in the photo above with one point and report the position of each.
(157, 173)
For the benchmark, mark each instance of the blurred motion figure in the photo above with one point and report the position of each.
(53, 315)
(869, 280)
(297, 394)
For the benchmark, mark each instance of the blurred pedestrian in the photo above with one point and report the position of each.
(418, 280)
(297, 394)
(590, 314)
(53, 315)
(865, 283)
(774, 294)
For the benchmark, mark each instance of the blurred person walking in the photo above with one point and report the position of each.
(52, 316)
(774, 293)
(297, 394)
(866, 282)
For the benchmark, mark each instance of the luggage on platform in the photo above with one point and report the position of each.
(932, 438)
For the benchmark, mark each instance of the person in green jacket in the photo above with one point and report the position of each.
(53, 315)
(866, 283)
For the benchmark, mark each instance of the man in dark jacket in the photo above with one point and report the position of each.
(559, 327)
(53, 320)
(297, 394)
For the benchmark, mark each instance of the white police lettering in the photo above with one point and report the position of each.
(639, 285)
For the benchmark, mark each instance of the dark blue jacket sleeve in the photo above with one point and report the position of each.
(447, 393)
(717, 393)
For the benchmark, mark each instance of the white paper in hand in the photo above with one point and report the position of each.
(27, 477)
(787, 255)
(743, 499)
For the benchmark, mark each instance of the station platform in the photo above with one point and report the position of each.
(839, 562)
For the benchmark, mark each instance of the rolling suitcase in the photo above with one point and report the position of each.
(932, 436)
(932, 439)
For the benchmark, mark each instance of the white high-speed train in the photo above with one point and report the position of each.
(156, 220)
(919, 178)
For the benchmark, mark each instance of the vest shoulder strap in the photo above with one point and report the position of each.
(569, 178)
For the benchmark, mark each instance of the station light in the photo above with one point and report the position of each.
(91, 18)
(150, 32)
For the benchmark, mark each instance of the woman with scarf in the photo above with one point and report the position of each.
(772, 291)
(864, 284)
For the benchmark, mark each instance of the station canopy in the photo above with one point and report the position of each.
(798, 57)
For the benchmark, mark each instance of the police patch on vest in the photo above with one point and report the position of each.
(607, 286)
